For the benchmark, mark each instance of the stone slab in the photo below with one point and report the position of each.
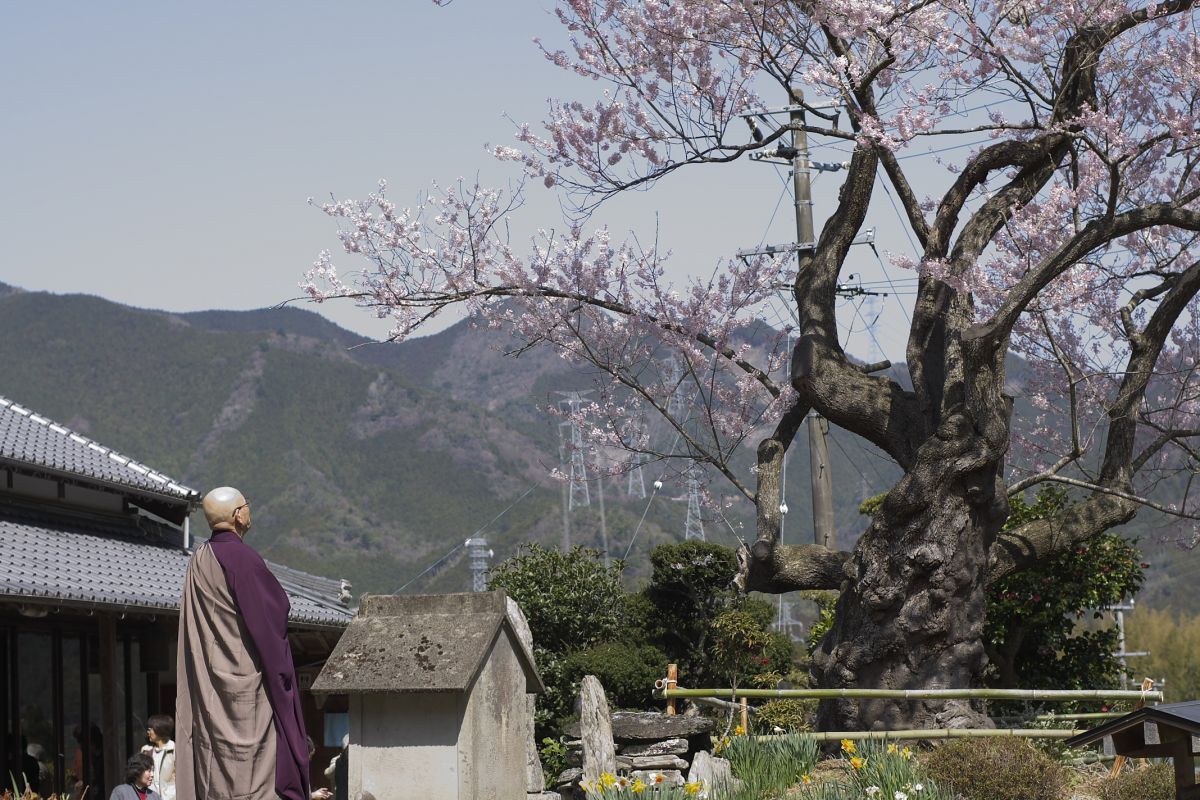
(599, 750)
(666, 747)
(659, 762)
(650, 726)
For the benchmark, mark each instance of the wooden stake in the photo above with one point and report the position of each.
(745, 716)
(672, 682)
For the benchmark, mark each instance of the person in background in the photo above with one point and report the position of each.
(160, 732)
(322, 793)
(139, 772)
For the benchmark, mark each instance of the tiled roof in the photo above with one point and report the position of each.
(30, 438)
(128, 563)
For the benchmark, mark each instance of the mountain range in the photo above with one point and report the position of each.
(374, 462)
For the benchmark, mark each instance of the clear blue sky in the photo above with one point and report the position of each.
(161, 154)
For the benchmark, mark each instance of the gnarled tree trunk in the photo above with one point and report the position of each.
(911, 611)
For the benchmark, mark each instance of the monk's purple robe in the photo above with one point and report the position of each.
(264, 608)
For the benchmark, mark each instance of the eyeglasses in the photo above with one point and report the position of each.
(239, 508)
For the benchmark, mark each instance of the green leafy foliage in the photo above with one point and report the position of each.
(1031, 631)
(788, 714)
(571, 600)
(826, 603)
(1151, 782)
(689, 591)
(997, 769)
(626, 669)
(585, 623)
(553, 755)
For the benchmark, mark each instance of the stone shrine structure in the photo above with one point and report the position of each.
(438, 688)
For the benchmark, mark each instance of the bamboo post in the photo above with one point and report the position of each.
(934, 733)
(922, 694)
(745, 716)
(672, 682)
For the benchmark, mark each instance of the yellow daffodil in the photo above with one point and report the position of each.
(739, 731)
(608, 780)
(692, 787)
(907, 753)
(857, 762)
(806, 779)
(891, 748)
(637, 787)
(848, 745)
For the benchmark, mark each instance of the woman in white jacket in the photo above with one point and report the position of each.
(160, 730)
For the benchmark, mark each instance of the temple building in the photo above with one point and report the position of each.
(93, 551)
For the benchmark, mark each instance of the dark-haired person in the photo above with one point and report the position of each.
(160, 732)
(139, 772)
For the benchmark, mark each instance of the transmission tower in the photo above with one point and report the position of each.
(695, 525)
(637, 481)
(480, 555)
(677, 403)
(571, 435)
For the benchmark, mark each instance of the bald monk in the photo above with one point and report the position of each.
(240, 730)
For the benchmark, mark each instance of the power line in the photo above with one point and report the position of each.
(478, 531)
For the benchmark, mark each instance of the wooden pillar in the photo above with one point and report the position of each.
(1185, 768)
(672, 682)
(113, 764)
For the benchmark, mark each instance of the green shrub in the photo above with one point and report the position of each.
(790, 714)
(627, 671)
(997, 769)
(1153, 782)
(553, 755)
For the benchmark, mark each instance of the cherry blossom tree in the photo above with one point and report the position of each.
(1068, 238)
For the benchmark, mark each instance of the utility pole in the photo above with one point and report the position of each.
(565, 544)
(824, 527)
(694, 527)
(600, 497)
(1122, 653)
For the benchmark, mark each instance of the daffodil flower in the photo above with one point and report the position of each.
(849, 746)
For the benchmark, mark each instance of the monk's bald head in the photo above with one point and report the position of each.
(222, 505)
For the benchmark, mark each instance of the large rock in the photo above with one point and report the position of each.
(595, 729)
(675, 747)
(568, 777)
(535, 781)
(712, 772)
(650, 726)
(658, 762)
